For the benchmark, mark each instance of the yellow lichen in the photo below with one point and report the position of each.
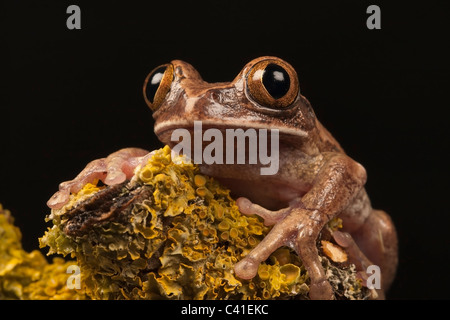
(199, 180)
(146, 174)
(291, 273)
(26, 275)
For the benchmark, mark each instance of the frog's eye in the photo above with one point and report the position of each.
(273, 83)
(157, 85)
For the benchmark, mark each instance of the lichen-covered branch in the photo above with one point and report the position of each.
(169, 233)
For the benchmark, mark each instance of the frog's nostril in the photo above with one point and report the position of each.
(179, 72)
(215, 96)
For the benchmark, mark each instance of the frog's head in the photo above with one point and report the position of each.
(264, 95)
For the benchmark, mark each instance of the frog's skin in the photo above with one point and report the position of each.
(316, 180)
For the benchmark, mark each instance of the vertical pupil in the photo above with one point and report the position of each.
(276, 80)
(153, 83)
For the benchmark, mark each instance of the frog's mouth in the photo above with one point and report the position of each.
(165, 130)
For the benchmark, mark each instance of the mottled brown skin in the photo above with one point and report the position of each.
(316, 180)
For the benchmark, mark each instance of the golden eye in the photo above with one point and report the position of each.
(273, 83)
(157, 85)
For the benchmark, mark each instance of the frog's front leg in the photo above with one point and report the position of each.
(298, 226)
(114, 169)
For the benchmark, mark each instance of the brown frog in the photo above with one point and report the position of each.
(315, 181)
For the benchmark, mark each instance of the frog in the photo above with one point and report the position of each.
(316, 180)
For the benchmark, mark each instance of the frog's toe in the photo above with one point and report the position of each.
(120, 165)
(58, 200)
(246, 268)
(270, 217)
(321, 291)
(115, 177)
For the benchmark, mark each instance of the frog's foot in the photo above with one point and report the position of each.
(358, 258)
(295, 227)
(114, 169)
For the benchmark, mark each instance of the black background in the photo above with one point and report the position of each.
(76, 95)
